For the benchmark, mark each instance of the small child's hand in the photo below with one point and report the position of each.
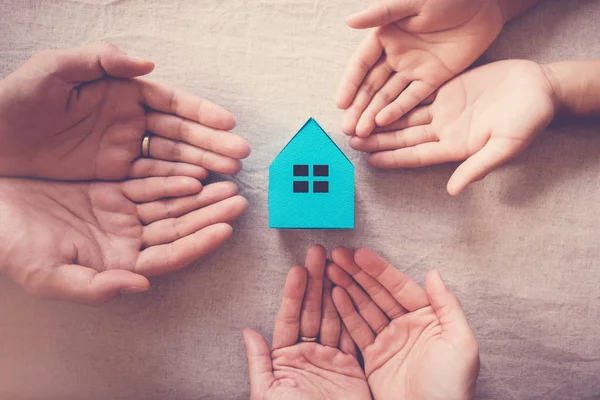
(416, 47)
(486, 116)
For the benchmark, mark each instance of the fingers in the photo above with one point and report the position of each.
(362, 61)
(408, 137)
(150, 189)
(175, 101)
(430, 99)
(170, 150)
(358, 328)
(417, 156)
(411, 97)
(162, 259)
(214, 140)
(92, 62)
(173, 229)
(176, 207)
(418, 116)
(384, 13)
(447, 308)
(347, 345)
(344, 258)
(495, 153)
(147, 167)
(310, 318)
(407, 292)
(82, 285)
(287, 325)
(386, 95)
(330, 319)
(362, 303)
(374, 80)
(260, 367)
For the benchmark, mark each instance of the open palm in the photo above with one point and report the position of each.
(295, 370)
(416, 47)
(86, 242)
(310, 371)
(416, 344)
(76, 115)
(414, 355)
(485, 116)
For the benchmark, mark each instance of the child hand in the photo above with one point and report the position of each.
(486, 116)
(425, 43)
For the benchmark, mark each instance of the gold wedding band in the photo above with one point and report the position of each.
(146, 145)
(309, 339)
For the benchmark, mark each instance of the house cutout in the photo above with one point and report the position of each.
(311, 183)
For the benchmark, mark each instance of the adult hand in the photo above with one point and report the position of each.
(416, 47)
(75, 115)
(88, 242)
(294, 369)
(485, 116)
(416, 344)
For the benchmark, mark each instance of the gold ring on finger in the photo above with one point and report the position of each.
(146, 145)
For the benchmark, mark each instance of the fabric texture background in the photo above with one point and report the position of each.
(520, 248)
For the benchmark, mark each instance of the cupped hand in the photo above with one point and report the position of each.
(416, 344)
(76, 115)
(88, 242)
(416, 47)
(294, 370)
(485, 116)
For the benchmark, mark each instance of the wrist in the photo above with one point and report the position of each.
(14, 160)
(6, 151)
(576, 85)
(554, 79)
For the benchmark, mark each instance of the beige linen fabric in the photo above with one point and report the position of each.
(521, 249)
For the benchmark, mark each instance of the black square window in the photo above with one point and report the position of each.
(300, 186)
(320, 170)
(320, 187)
(300, 170)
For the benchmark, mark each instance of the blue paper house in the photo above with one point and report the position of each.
(311, 183)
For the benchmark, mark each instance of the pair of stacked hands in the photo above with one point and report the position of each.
(81, 115)
(414, 343)
(404, 84)
(93, 219)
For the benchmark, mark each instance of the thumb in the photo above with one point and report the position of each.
(495, 153)
(92, 62)
(84, 285)
(455, 328)
(386, 12)
(260, 367)
(446, 306)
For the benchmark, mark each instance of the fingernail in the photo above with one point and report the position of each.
(141, 60)
(133, 290)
